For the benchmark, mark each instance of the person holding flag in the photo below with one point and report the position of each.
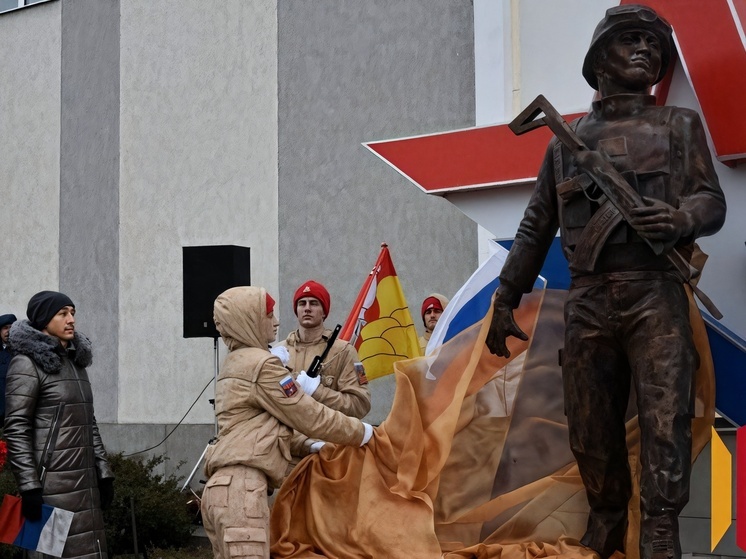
(54, 447)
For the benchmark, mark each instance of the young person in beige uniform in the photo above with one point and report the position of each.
(258, 405)
(342, 384)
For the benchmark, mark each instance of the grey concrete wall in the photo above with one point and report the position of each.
(351, 72)
(198, 166)
(180, 447)
(29, 165)
(89, 184)
(138, 128)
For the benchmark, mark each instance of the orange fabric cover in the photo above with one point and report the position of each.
(472, 461)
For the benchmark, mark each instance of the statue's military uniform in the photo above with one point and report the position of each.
(627, 319)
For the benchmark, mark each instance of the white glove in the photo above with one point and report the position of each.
(282, 352)
(308, 384)
(368, 433)
(315, 447)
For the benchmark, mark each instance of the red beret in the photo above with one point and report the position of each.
(270, 303)
(312, 289)
(431, 303)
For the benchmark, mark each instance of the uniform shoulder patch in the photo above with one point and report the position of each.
(360, 370)
(288, 386)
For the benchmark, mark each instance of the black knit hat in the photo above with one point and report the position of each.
(44, 305)
(7, 319)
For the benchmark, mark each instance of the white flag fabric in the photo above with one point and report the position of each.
(471, 302)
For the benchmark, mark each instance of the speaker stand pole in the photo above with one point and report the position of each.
(215, 386)
(212, 401)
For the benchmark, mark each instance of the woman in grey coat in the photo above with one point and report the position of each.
(49, 404)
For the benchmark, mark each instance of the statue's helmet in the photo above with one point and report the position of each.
(621, 18)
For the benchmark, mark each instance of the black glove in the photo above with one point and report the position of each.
(31, 502)
(503, 324)
(106, 490)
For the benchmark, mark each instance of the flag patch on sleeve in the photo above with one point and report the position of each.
(360, 370)
(288, 386)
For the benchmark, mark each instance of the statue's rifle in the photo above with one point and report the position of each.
(620, 197)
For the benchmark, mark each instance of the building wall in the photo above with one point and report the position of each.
(140, 128)
(351, 72)
(198, 167)
(89, 183)
(30, 171)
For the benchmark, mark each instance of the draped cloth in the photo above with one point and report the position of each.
(472, 461)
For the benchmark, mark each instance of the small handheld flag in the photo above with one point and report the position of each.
(46, 535)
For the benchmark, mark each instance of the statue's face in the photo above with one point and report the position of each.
(632, 62)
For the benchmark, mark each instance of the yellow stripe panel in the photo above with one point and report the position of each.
(720, 498)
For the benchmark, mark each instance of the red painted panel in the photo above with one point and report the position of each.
(713, 55)
(466, 159)
(740, 6)
(715, 58)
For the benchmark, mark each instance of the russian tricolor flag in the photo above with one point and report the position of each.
(46, 535)
(471, 303)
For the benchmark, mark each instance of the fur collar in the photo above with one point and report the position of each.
(45, 350)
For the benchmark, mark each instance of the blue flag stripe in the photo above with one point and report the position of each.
(472, 312)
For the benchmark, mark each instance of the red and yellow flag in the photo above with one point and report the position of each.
(380, 325)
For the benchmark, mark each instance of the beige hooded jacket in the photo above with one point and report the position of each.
(256, 401)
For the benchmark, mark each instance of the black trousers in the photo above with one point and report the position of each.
(630, 329)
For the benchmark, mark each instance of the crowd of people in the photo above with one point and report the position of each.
(270, 412)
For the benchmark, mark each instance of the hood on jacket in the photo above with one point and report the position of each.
(26, 340)
(239, 315)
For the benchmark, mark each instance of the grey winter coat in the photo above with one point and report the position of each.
(41, 375)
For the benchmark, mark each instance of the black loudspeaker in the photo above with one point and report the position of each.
(208, 271)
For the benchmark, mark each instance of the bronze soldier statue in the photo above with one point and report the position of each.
(627, 312)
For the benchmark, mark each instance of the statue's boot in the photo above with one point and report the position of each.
(659, 536)
(606, 531)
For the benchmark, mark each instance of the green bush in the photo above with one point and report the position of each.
(161, 516)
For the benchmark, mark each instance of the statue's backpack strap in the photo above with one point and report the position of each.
(558, 158)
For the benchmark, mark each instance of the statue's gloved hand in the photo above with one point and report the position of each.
(31, 502)
(308, 384)
(503, 324)
(658, 221)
